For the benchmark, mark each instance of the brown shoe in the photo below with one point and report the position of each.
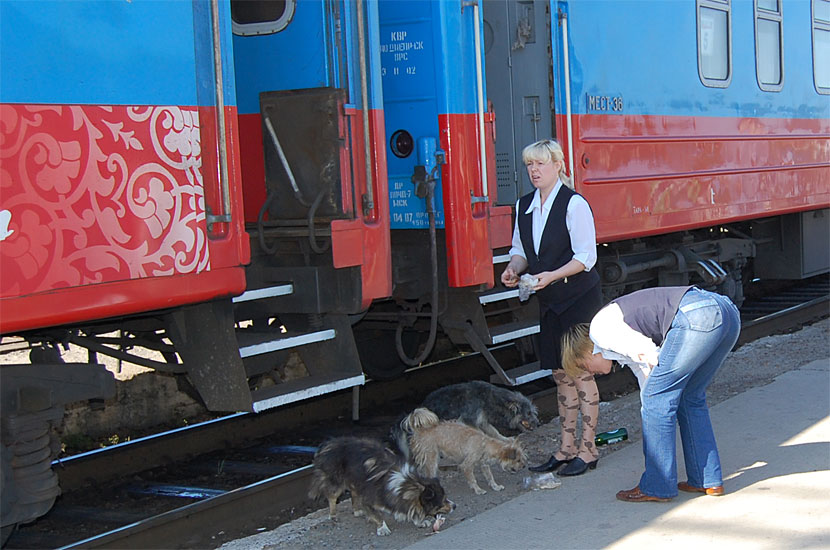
(634, 495)
(711, 491)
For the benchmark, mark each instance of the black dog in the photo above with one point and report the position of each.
(378, 480)
(490, 408)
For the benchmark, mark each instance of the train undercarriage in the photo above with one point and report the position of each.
(297, 337)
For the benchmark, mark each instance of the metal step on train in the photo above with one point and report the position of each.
(328, 356)
(496, 318)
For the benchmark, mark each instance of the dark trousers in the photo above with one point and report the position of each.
(552, 326)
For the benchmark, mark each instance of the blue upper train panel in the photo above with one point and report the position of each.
(645, 53)
(318, 48)
(427, 48)
(118, 52)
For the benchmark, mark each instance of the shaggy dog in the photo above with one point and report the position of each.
(378, 482)
(430, 439)
(491, 409)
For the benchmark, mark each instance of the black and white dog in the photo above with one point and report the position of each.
(379, 482)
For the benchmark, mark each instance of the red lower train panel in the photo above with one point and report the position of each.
(106, 205)
(646, 175)
(363, 241)
(469, 253)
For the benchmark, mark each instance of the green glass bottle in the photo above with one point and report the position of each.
(605, 438)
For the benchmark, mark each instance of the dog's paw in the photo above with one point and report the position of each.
(383, 530)
(479, 491)
(426, 522)
(358, 513)
(497, 487)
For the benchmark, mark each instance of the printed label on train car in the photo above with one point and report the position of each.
(603, 103)
(409, 210)
(408, 73)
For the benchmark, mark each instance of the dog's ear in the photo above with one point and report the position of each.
(416, 491)
(513, 406)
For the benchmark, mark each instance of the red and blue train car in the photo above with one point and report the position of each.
(278, 200)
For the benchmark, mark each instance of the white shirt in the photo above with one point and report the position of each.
(578, 219)
(617, 341)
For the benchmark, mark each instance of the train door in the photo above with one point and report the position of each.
(518, 58)
(438, 128)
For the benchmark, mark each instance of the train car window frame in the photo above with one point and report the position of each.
(821, 25)
(763, 15)
(705, 43)
(265, 25)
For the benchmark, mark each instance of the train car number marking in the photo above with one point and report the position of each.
(605, 103)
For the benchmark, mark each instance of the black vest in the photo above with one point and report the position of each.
(651, 311)
(555, 250)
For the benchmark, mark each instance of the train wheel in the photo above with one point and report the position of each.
(378, 354)
(30, 487)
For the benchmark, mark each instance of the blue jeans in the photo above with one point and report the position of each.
(703, 332)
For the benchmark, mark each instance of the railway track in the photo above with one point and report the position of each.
(243, 472)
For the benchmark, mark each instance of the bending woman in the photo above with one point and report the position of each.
(674, 339)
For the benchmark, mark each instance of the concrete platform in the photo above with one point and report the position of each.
(774, 443)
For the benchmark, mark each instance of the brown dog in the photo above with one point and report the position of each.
(429, 439)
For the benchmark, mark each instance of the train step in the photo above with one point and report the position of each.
(512, 331)
(510, 377)
(497, 295)
(256, 343)
(501, 259)
(523, 374)
(282, 289)
(304, 388)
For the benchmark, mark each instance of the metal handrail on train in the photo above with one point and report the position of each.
(568, 114)
(369, 197)
(224, 182)
(482, 146)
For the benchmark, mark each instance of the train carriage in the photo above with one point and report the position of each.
(285, 199)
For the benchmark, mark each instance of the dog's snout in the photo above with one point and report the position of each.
(451, 504)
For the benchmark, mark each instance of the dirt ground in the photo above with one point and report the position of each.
(752, 365)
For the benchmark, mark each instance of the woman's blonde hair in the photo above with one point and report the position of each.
(547, 150)
(576, 346)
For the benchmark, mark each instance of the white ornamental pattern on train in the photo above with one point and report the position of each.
(94, 194)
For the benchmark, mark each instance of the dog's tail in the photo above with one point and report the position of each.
(418, 419)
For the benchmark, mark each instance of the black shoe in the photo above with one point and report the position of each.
(577, 467)
(552, 464)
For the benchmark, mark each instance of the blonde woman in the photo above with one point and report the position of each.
(554, 240)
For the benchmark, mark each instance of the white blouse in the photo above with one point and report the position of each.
(617, 341)
(578, 219)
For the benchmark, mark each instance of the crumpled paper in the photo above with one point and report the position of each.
(526, 284)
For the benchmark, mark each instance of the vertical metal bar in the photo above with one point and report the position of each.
(480, 93)
(568, 114)
(224, 181)
(355, 403)
(369, 197)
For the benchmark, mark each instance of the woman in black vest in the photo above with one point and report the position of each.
(554, 239)
(674, 339)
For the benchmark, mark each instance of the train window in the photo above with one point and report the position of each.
(821, 45)
(769, 35)
(254, 17)
(714, 42)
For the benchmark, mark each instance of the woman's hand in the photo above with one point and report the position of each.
(649, 359)
(509, 277)
(545, 278)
